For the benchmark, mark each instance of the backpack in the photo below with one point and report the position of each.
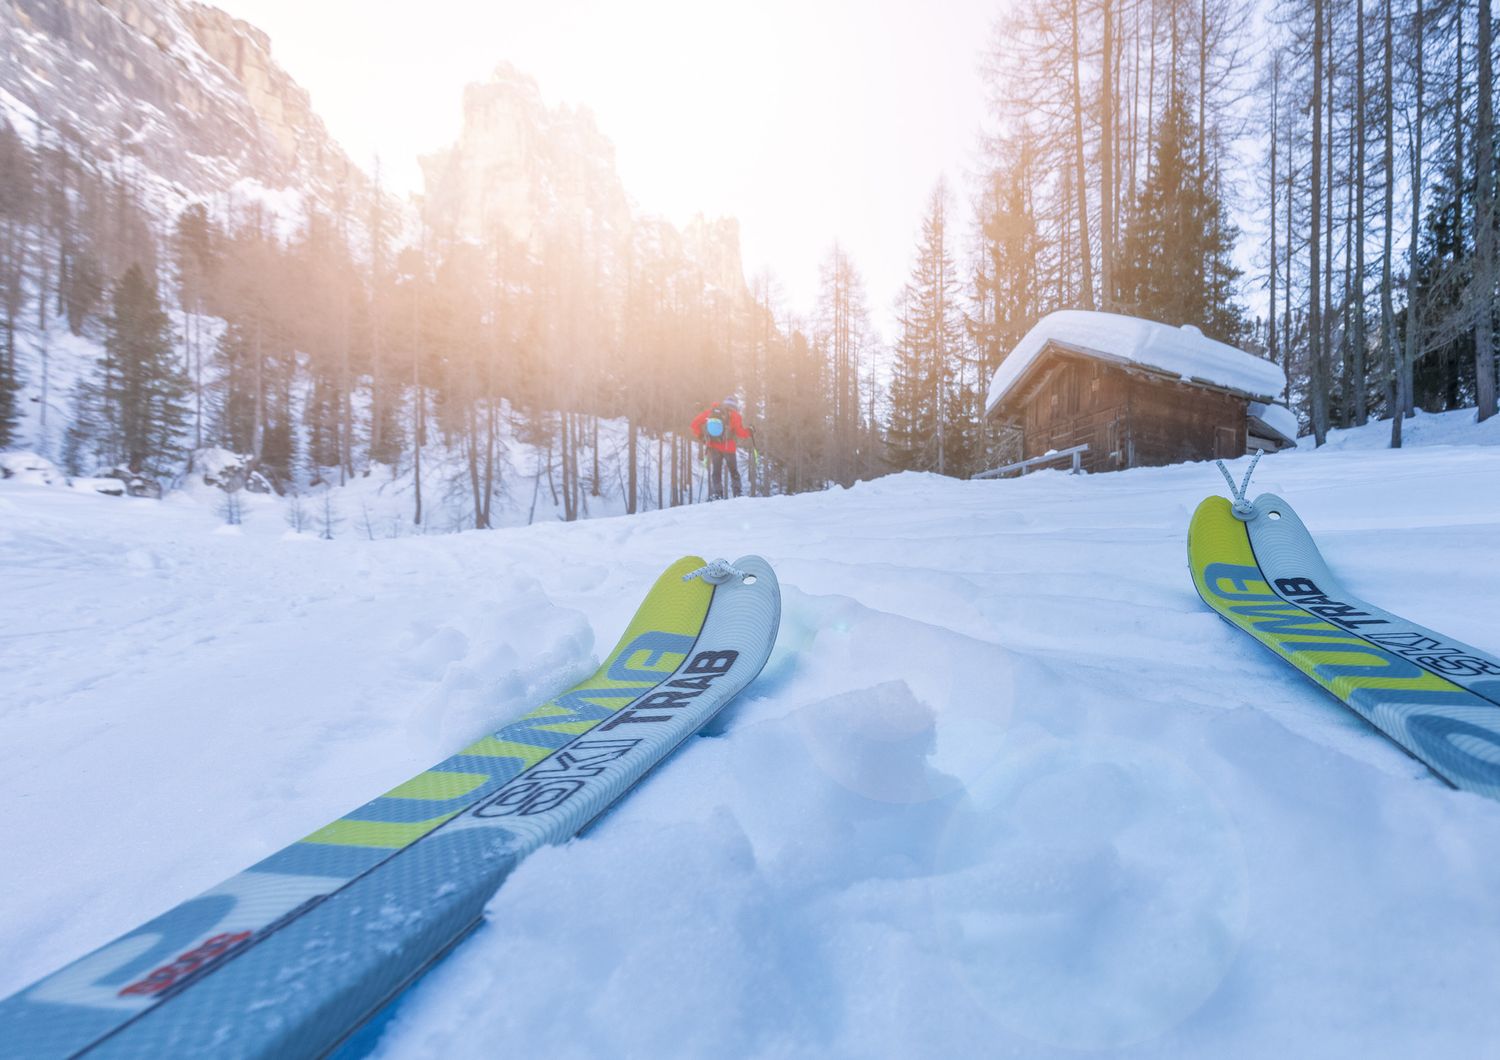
(717, 424)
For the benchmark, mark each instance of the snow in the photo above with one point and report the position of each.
(212, 462)
(1278, 418)
(285, 208)
(31, 469)
(1183, 352)
(1007, 787)
(111, 487)
(20, 117)
(1422, 429)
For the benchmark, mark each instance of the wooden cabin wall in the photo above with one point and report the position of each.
(1129, 420)
(1172, 422)
(1080, 402)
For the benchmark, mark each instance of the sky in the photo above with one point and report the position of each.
(810, 122)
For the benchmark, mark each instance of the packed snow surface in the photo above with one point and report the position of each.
(1184, 352)
(1005, 788)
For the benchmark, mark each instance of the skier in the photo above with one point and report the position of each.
(718, 426)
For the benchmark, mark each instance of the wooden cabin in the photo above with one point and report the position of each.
(1137, 393)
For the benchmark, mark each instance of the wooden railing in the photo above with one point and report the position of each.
(1022, 466)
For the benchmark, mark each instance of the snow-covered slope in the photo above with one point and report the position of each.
(1423, 429)
(1006, 787)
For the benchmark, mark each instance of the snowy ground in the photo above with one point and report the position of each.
(1006, 787)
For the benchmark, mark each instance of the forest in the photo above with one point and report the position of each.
(1315, 183)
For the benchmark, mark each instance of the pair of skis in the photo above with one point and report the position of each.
(1256, 564)
(294, 954)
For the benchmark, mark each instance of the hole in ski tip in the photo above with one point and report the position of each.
(749, 579)
(1273, 515)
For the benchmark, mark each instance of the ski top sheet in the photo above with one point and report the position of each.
(290, 956)
(1436, 697)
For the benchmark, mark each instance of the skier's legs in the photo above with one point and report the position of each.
(715, 474)
(734, 472)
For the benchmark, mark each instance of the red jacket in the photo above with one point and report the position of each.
(734, 427)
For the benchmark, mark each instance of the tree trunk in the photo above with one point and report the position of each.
(1275, 143)
(1202, 93)
(257, 432)
(419, 406)
(1413, 301)
(1287, 250)
(473, 447)
(1081, 174)
(492, 414)
(1361, 403)
(1317, 363)
(1326, 342)
(632, 435)
(1389, 351)
(1106, 164)
(346, 410)
(1484, 219)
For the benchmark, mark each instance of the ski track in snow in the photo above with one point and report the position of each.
(1005, 788)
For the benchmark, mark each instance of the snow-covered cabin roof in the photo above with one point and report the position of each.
(1276, 424)
(1183, 352)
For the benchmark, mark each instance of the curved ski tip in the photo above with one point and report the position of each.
(759, 568)
(683, 566)
(1269, 504)
(1214, 532)
(1211, 511)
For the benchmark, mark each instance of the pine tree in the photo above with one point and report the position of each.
(905, 430)
(1175, 265)
(197, 248)
(133, 410)
(926, 403)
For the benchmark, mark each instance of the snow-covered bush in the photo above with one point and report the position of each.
(136, 484)
(30, 468)
(230, 471)
(110, 487)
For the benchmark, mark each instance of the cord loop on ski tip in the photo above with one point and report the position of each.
(1242, 507)
(716, 572)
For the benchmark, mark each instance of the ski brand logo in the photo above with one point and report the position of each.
(186, 966)
(1308, 596)
(679, 692)
(568, 771)
(556, 780)
(1434, 655)
(209, 954)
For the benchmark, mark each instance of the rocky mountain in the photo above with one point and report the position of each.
(520, 165)
(517, 161)
(179, 98)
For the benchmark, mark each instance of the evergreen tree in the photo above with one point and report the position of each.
(1175, 265)
(1005, 276)
(924, 428)
(197, 247)
(133, 410)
